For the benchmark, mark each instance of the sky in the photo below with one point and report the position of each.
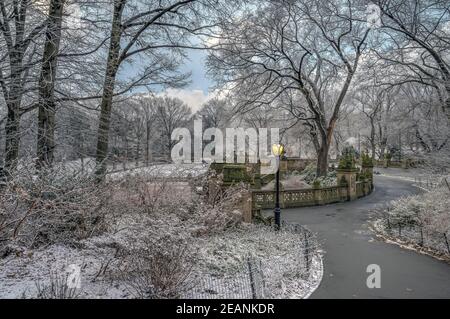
(194, 94)
(196, 65)
(197, 92)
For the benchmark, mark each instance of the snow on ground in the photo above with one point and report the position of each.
(221, 270)
(221, 266)
(87, 165)
(280, 257)
(411, 174)
(20, 274)
(420, 222)
(163, 171)
(408, 241)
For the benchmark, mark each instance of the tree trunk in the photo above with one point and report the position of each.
(169, 148)
(12, 128)
(322, 154)
(372, 137)
(108, 90)
(322, 159)
(13, 101)
(447, 101)
(138, 151)
(46, 117)
(147, 145)
(13, 96)
(383, 146)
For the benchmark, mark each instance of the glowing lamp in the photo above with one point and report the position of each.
(277, 149)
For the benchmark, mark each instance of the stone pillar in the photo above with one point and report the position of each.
(348, 177)
(318, 199)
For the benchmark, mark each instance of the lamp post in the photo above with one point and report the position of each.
(277, 150)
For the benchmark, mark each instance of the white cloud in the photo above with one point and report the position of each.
(193, 98)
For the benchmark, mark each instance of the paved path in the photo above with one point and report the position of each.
(350, 247)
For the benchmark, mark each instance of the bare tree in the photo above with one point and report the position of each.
(146, 107)
(215, 113)
(310, 47)
(171, 113)
(371, 100)
(21, 24)
(426, 123)
(155, 29)
(417, 37)
(46, 115)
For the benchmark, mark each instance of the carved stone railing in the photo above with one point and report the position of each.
(353, 183)
(299, 198)
(307, 197)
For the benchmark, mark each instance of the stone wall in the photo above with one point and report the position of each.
(309, 197)
(349, 188)
(251, 172)
(353, 183)
(232, 174)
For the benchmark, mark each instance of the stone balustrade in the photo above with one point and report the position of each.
(352, 183)
(309, 197)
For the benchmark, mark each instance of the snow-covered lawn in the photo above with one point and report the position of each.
(278, 259)
(220, 270)
(182, 171)
(142, 234)
(87, 165)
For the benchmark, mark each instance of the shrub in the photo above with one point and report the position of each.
(57, 288)
(309, 176)
(347, 158)
(158, 268)
(366, 160)
(429, 210)
(50, 206)
(316, 183)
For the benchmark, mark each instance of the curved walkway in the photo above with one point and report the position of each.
(350, 247)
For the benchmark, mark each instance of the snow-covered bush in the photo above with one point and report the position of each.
(288, 181)
(309, 176)
(429, 210)
(49, 206)
(147, 203)
(309, 173)
(158, 268)
(158, 236)
(405, 211)
(56, 288)
(347, 159)
(156, 232)
(422, 219)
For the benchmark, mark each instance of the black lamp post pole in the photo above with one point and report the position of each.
(277, 210)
